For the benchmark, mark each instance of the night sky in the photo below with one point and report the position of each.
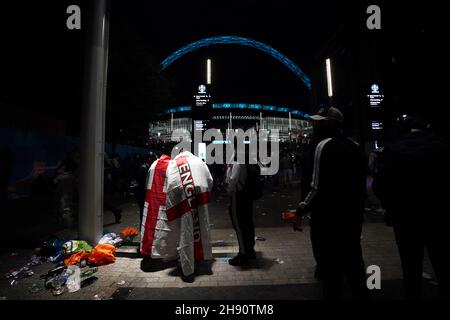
(41, 61)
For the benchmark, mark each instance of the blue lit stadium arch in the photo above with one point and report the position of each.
(252, 106)
(241, 41)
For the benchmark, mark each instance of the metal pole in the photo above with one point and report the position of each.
(93, 123)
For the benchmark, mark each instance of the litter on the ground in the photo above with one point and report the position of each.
(260, 239)
(278, 261)
(121, 283)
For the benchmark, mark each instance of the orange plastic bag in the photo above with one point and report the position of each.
(76, 258)
(102, 254)
(129, 232)
(288, 215)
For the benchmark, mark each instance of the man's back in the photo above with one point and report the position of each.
(341, 182)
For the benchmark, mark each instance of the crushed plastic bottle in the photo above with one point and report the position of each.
(73, 282)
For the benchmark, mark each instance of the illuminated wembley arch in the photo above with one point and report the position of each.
(240, 41)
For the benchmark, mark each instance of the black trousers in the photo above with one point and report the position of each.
(411, 241)
(338, 253)
(241, 213)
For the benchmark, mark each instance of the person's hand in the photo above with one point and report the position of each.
(301, 209)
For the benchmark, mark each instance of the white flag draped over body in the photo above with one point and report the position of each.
(176, 218)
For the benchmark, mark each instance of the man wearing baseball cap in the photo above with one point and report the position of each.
(336, 202)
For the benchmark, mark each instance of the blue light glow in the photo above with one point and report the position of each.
(253, 106)
(240, 41)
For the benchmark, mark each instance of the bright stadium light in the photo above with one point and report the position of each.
(208, 71)
(329, 82)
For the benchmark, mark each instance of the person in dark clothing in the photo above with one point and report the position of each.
(336, 202)
(307, 171)
(109, 192)
(241, 211)
(140, 187)
(410, 182)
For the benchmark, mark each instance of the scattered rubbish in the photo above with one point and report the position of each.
(37, 287)
(73, 283)
(74, 246)
(53, 272)
(58, 291)
(102, 254)
(128, 234)
(121, 283)
(111, 238)
(260, 239)
(88, 273)
(56, 259)
(24, 272)
(76, 258)
(35, 261)
(100, 296)
(278, 261)
(14, 283)
(50, 247)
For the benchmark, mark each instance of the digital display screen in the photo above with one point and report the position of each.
(377, 125)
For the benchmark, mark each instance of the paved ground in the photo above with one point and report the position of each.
(284, 269)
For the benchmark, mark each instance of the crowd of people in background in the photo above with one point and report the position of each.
(404, 180)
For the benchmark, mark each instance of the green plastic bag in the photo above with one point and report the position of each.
(74, 246)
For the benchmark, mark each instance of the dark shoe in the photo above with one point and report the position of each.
(189, 278)
(242, 259)
(118, 215)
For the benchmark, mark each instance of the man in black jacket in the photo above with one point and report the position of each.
(412, 183)
(336, 202)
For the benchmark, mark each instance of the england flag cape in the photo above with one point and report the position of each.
(176, 218)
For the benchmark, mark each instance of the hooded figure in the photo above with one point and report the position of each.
(176, 218)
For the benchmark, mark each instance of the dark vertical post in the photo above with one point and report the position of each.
(93, 122)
